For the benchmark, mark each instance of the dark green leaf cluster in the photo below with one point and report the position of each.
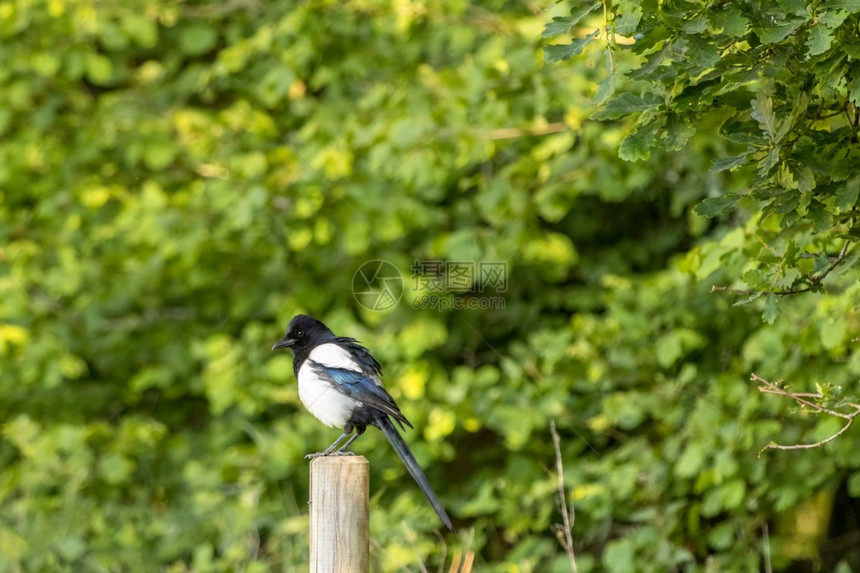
(778, 81)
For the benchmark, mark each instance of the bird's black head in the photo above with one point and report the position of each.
(303, 332)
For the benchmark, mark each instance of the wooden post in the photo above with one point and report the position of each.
(340, 529)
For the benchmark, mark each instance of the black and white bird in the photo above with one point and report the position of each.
(339, 383)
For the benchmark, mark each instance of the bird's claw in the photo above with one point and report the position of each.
(324, 454)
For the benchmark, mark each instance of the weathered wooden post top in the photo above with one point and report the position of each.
(339, 517)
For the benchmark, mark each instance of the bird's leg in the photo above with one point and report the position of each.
(329, 451)
(359, 430)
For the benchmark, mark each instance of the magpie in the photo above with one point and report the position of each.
(339, 383)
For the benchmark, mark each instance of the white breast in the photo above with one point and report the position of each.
(333, 356)
(319, 396)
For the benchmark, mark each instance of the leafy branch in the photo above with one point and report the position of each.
(811, 281)
(780, 89)
(815, 401)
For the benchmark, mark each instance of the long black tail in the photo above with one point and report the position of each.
(412, 466)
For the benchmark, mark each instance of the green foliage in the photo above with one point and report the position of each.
(780, 83)
(178, 180)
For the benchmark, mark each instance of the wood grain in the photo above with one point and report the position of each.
(339, 517)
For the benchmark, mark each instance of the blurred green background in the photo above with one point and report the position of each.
(177, 180)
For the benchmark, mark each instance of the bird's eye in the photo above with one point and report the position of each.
(300, 333)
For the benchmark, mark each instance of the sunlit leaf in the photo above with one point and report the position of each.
(559, 52)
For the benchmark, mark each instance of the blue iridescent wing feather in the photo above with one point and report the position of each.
(362, 388)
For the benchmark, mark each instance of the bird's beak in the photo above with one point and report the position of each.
(283, 343)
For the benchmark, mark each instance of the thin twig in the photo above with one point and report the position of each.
(512, 132)
(767, 566)
(610, 37)
(718, 288)
(812, 281)
(802, 398)
(410, 537)
(464, 565)
(833, 264)
(464, 559)
(567, 518)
